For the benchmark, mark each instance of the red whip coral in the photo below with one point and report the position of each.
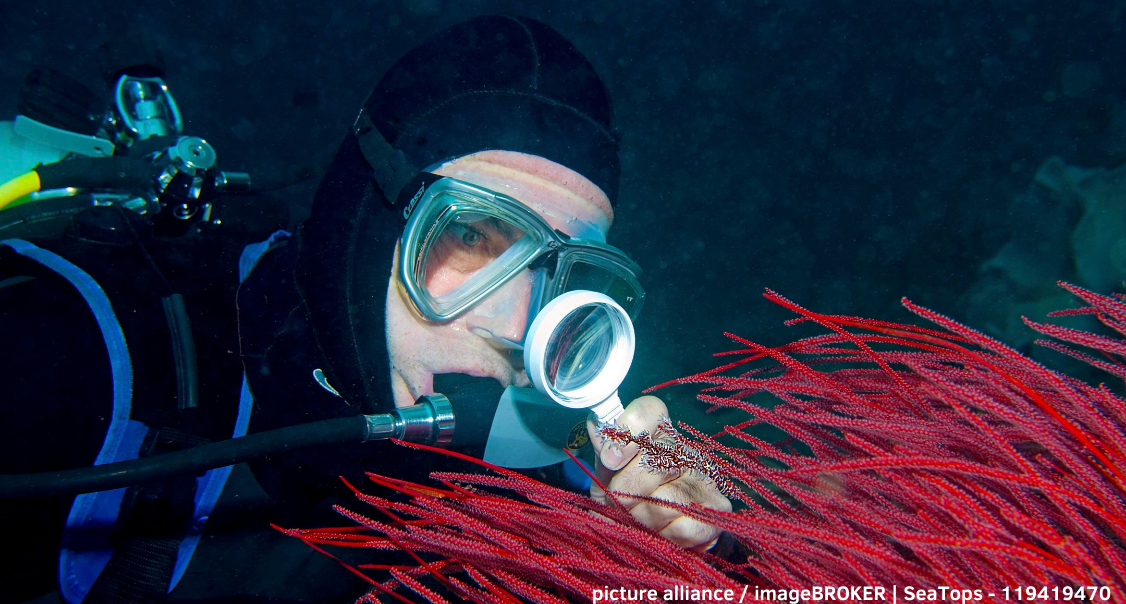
(912, 457)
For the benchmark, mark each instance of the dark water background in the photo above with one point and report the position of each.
(842, 153)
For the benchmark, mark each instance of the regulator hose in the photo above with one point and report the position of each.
(189, 461)
(20, 186)
(114, 173)
(434, 419)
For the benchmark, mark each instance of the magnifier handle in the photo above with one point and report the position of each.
(608, 411)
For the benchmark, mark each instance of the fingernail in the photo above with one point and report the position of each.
(612, 456)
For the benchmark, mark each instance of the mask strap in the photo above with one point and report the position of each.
(413, 191)
(390, 168)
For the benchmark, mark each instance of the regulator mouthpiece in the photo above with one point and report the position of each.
(430, 421)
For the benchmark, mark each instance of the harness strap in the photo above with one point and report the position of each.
(93, 515)
(141, 565)
(139, 572)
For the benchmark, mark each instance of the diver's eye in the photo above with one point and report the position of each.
(470, 237)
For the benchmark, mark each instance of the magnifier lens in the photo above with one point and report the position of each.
(578, 351)
(579, 348)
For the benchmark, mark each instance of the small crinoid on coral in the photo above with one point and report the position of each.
(927, 457)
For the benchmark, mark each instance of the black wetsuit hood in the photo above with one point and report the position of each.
(489, 83)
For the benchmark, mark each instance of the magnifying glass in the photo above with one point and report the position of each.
(578, 351)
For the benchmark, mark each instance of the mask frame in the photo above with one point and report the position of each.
(565, 263)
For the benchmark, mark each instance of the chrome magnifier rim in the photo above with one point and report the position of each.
(606, 331)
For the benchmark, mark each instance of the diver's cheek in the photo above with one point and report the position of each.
(406, 341)
(502, 318)
(418, 350)
(441, 280)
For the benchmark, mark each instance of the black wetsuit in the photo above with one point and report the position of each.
(58, 399)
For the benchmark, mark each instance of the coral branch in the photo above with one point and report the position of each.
(922, 456)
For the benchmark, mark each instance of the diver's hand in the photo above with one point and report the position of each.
(621, 470)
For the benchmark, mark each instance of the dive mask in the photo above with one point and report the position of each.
(462, 242)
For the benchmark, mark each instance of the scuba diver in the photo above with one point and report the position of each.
(476, 185)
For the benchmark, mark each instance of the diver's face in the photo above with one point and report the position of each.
(419, 349)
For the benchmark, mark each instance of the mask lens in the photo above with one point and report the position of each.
(466, 250)
(586, 276)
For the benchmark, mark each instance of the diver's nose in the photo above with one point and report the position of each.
(502, 318)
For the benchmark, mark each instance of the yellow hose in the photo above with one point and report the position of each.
(18, 187)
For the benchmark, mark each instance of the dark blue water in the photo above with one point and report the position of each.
(844, 154)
